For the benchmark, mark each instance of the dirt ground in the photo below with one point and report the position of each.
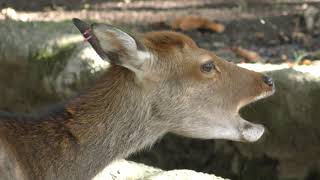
(275, 31)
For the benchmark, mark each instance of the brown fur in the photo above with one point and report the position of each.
(166, 41)
(119, 116)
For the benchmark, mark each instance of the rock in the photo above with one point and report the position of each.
(312, 20)
(82, 66)
(21, 41)
(55, 50)
(123, 169)
(9, 13)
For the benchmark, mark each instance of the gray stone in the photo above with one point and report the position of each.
(55, 50)
(128, 170)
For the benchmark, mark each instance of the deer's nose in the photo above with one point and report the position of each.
(268, 80)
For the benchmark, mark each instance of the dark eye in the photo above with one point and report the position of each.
(207, 67)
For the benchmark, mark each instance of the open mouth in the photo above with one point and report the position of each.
(263, 95)
(251, 132)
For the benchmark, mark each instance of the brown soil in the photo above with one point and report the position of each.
(268, 29)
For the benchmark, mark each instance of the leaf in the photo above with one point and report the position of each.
(249, 55)
(306, 62)
(188, 23)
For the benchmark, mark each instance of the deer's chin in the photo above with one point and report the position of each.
(250, 132)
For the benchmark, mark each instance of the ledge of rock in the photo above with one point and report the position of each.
(43, 62)
(123, 169)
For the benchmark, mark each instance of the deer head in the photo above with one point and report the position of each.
(191, 90)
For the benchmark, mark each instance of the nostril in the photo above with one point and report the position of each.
(267, 80)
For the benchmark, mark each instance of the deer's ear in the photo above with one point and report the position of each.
(113, 44)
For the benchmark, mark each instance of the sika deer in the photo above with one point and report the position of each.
(161, 83)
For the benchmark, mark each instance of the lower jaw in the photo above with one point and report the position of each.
(253, 134)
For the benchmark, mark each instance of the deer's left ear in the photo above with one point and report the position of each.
(114, 45)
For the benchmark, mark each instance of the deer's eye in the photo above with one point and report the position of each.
(207, 67)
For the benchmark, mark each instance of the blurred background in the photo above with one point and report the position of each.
(44, 60)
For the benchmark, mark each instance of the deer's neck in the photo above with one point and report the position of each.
(111, 121)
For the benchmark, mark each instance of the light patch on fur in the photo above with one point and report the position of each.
(220, 132)
(211, 131)
(143, 55)
(253, 133)
(229, 127)
(139, 60)
(261, 96)
(212, 127)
